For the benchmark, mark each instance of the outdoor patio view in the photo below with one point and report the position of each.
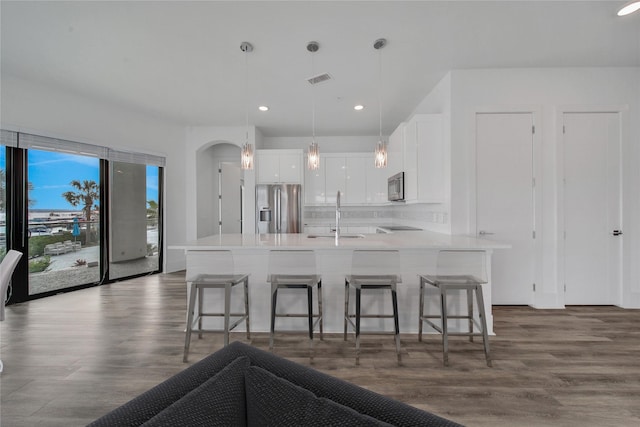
(64, 223)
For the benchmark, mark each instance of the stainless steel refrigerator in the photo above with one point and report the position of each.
(279, 208)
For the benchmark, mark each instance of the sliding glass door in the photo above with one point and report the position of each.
(134, 219)
(81, 214)
(3, 202)
(63, 210)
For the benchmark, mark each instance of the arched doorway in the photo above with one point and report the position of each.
(219, 189)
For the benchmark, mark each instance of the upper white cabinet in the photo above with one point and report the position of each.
(353, 174)
(431, 158)
(314, 185)
(376, 183)
(335, 177)
(410, 160)
(416, 148)
(356, 179)
(395, 149)
(279, 166)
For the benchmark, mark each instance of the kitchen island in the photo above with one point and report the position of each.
(418, 250)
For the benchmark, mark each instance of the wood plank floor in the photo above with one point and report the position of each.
(72, 357)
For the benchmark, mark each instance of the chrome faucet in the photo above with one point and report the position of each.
(337, 217)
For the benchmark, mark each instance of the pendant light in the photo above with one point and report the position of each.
(380, 157)
(313, 155)
(629, 8)
(246, 155)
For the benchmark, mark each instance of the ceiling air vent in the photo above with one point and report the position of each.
(319, 78)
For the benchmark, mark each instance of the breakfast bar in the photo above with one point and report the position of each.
(418, 250)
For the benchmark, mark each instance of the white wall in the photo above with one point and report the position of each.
(42, 110)
(547, 92)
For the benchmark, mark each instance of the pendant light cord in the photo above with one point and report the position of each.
(313, 101)
(380, 91)
(246, 94)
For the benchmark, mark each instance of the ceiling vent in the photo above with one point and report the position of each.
(320, 78)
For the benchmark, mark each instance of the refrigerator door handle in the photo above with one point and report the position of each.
(278, 212)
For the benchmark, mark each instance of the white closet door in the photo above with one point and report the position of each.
(592, 200)
(505, 201)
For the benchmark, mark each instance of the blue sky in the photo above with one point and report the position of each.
(51, 172)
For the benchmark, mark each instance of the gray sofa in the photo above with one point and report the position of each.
(241, 385)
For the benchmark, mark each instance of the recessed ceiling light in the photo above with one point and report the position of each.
(358, 107)
(263, 108)
(629, 8)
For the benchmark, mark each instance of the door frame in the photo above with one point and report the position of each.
(622, 111)
(535, 297)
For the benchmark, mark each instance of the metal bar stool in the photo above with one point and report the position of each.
(372, 269)
(199, 266)
(295, 270)
(463, 270)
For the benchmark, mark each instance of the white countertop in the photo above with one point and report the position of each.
(399, 240)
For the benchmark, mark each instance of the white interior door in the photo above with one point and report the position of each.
(592, 200)
(505, 201)
(230, 198)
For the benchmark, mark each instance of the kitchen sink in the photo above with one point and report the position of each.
(332, 236)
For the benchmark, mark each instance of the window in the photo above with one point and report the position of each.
(84, 214)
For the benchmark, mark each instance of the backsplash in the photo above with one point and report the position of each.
(365, 213)
(420, 212)
(422, 215)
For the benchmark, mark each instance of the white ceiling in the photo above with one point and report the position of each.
(181, 61)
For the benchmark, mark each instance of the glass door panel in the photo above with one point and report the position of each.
(133, 219)
(3, 203)
(63, 206)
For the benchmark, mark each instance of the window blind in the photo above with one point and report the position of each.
(36, 142)
(137, 158)
(8, 138)
(28, 141)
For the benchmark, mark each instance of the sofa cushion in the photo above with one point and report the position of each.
(219, 401)
(274, 401)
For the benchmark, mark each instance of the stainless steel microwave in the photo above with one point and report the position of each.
(396, 187)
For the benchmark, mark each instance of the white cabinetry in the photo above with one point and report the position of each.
(416, 148)
(353, 174)
(355, 187)
(279, 166)
(314, 185)
(410, 160)
(431, 159)
(395, 151)
(335, 177)
(376, 183)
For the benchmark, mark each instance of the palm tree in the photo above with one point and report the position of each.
(152, 212)
(88, 193)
